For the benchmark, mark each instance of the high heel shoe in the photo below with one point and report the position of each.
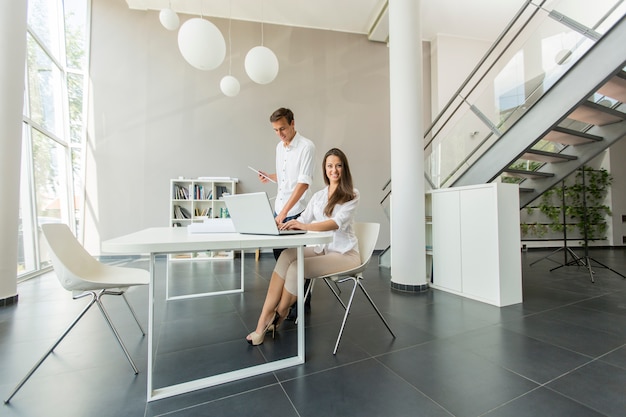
(256, 339)
(278, 320)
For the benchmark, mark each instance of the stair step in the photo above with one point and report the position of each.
(570, 137)
(615, 88)
(520, 173)
(595, 114)
(526, 190)
(547, 157)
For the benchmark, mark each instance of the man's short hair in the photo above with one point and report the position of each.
(280, 113)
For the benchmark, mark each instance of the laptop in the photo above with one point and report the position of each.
(252, 214)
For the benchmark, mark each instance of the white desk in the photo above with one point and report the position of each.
(166, 240)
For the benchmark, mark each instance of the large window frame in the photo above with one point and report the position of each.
(54, 126)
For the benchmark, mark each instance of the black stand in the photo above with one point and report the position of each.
(578, 261)
(566, 250)
(587, 259)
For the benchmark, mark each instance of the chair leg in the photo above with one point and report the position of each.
(132, 311)
(335, 292)
(345, 316)
(114, 330)
(375, 308)
(43, 358)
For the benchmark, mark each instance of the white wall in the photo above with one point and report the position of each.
(153, 117)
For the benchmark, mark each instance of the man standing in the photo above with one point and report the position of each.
(295, 164)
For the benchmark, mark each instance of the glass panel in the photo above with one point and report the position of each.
(44, 83)
(43, 20)
(535, 66)
(75, 106)
(26, 255)
(590, 16)
(463, 135)
(77, 169)
(51, 193)
(75, 33)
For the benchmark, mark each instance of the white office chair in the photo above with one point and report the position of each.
(367, 234)
(80, 273)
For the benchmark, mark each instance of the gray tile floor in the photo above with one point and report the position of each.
(562, 352)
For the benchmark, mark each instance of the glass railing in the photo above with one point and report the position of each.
(542, 42)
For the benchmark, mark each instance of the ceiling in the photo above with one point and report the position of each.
(478, 19)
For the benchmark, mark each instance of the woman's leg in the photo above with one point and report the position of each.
(274, 297)
(320, 264)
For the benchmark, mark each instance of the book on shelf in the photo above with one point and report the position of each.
(181, 212)
(181, 192)
(202, 212)
(220, 190)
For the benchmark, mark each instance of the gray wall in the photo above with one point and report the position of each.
(153, 117)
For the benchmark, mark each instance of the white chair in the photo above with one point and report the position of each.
(80, 273)
(367, 234)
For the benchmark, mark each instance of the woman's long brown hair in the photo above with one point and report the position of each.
(345, 189)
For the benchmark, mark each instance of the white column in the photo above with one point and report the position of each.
(12, 56)
(408, 242)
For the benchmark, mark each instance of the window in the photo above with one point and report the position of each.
(54, 132)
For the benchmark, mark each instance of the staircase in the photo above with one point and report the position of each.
(568, 115)
(578, 118)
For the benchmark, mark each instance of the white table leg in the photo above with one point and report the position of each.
(300, 252)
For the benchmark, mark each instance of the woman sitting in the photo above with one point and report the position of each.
(330, 209)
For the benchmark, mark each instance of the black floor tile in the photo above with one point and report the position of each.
(365, 388)
(267, 401)
(460, 381)
(580, 339)
(538, 361)
(598, 385)
(543, 402)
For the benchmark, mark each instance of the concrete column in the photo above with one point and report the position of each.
(12, 56)
(408, 242)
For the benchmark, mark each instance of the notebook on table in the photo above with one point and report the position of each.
(252, 214)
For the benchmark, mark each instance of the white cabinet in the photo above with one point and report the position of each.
(476, 241)
(197, 200)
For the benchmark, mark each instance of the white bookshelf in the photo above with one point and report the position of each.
(198, 200)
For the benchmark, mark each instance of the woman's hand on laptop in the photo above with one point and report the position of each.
(292, 225)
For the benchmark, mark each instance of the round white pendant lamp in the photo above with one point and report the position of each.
(169, 19)
(261, 65)
(230, 86)
(201, 44)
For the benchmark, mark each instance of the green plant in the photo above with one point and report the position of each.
(581, 197)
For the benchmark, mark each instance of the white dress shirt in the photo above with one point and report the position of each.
(294, 164)
(344, 238)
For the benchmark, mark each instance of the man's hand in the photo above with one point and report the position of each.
(280, 218)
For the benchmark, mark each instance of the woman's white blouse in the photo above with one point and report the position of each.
(344, 238)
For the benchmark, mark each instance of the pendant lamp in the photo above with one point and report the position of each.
(261, 63)
(229, 84)
(201, 44)
(169, 19)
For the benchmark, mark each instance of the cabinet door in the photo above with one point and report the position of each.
(446, 241)
(480, 245)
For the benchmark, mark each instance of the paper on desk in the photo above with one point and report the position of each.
(212, 226)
